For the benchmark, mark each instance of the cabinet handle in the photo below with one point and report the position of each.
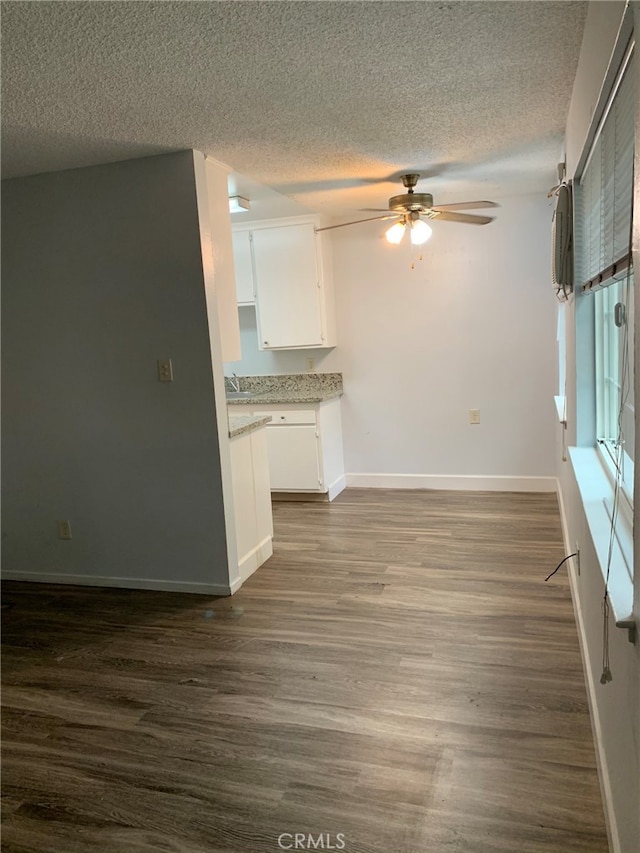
(266, 343)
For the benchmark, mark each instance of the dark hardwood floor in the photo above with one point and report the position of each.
(398, 673)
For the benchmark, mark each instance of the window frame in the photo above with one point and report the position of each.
(602, 201)
(615, 458)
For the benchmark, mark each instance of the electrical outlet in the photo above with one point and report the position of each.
(310, 364)
(474, 416)
(64, 530)
(165, 370)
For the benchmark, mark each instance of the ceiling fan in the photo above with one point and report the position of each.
(409, 209)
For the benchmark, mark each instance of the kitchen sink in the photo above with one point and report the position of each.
(237, 395)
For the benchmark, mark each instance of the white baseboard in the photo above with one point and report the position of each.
(453, 482)
(594, 714)
(332, 491)
(126, 583)
(336, 487)
(235, 585)
(254, 559)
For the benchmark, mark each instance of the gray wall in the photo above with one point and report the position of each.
(102, 275)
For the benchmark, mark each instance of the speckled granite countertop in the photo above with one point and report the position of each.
(289, 388)
(279, 397)
(241, 424)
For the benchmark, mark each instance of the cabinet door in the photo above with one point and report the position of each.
(293, 458)
(287, 287)
(243, 264)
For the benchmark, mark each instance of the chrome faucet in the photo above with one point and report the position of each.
(234, 382)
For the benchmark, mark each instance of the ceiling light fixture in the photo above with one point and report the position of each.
(420, 232)
(238, 204)
(395, 233)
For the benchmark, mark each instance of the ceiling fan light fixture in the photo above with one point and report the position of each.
(420, 232)
(395, 233)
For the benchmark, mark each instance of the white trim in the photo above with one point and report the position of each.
(453, 482)
(336, 487)
(594, 487)
(626, 484)
(594, 712)
(206, 225)
(235, 586)
(332, 491)
(314, 219)
(125, 583)
(254, 558)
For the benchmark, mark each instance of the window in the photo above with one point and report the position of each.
(604, 198)
(615, 416)
(603, 286)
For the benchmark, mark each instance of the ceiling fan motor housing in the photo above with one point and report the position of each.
(422, 202)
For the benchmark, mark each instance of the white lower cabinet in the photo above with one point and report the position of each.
(305, 447)
(294, 458)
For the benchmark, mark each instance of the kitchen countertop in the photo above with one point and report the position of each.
(285, 388)
(241, 424)
(286, 396)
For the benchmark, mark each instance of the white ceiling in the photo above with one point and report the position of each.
(321, 101)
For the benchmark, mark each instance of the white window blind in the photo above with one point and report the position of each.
(604, 192)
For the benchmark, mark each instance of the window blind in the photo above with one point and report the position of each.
(604, 195)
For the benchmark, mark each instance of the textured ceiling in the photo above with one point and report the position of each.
(318, 100)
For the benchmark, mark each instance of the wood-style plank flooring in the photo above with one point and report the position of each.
(398, 673)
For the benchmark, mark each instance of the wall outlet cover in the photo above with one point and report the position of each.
(64, 530)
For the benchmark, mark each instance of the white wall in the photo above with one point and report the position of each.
(103, 275)
(224, 278)
(256, 362)
(615, 706)
(472, 326)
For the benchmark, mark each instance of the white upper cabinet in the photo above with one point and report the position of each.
(291, 275)
(288, 287)
(243, 262)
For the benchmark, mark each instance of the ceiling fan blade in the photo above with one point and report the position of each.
(358, 221)
(469, 218)
(466, 205)
(303, 187)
